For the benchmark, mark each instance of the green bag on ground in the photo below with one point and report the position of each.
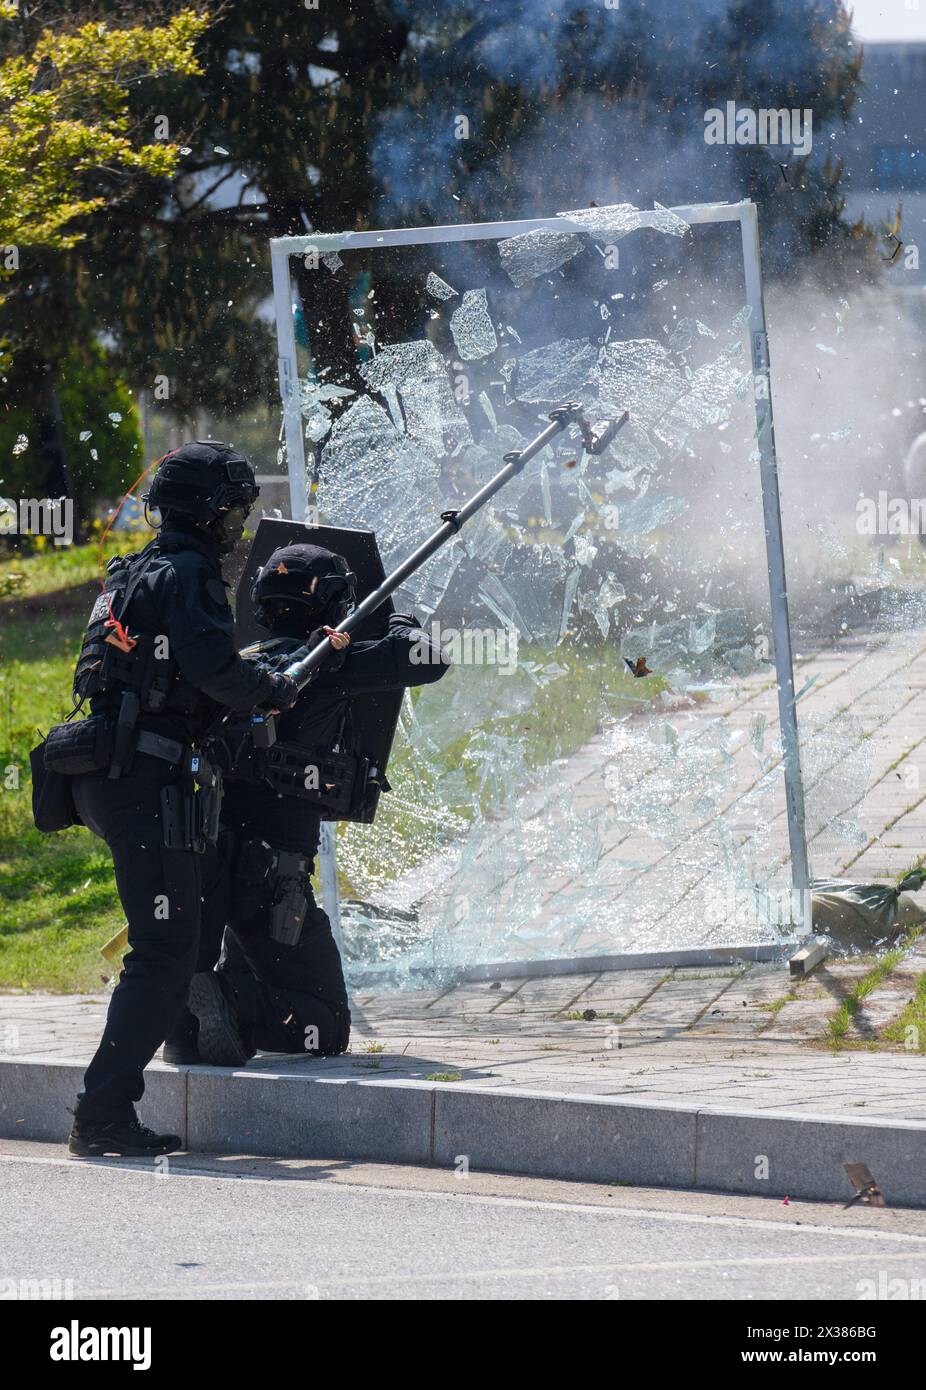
(860, 916)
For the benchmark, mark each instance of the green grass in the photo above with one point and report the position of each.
(47, 567)
(58, 903)
(910, 1025)
(775, 1007)
(838, 1025)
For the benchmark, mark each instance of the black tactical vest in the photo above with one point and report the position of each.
(345, 784)
(107, 665)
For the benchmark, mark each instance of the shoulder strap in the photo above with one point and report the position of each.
(138, 568)
(346, 721)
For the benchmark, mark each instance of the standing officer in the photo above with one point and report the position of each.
(158, 665)
(280, 984)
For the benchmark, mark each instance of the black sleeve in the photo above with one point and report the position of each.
(405, 656)
(201, 632)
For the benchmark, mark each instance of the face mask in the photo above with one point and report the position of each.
(229, 528)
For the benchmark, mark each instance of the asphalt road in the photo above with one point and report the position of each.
(245, 1228)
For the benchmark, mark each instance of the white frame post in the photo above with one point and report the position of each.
(281, 248)
(775, 557)
(288, 376)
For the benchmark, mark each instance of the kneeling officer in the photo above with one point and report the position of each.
(159, 666)
(280, 985)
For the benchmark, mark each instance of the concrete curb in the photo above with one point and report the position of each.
(537, 1133)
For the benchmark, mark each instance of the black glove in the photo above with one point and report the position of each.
(285, 691)
(334, 660)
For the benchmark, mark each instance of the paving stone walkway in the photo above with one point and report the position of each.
(720, 1037)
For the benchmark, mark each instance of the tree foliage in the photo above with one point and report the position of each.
(65, 125)
(99, 422)
(71, 149)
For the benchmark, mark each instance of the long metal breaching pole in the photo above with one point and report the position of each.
(300, 670)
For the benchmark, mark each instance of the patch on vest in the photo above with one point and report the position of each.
(100, 609)
(216, 592)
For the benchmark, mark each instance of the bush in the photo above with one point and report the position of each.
(89, 394)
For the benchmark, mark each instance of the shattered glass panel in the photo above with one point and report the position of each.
(368, 467)
(639, 376)
(438, 288)
(472, 327)
(556, 372)
(600, 772)
(413, 377)
(620, 218)
(536, 253)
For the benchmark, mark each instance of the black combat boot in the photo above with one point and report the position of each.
(181, 1048)
(221, 1038)
(121, 1138)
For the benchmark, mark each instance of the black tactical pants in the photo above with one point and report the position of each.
(163, 892)
(288, 998)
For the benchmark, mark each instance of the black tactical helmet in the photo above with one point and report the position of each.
(317, 581)
(203, 480)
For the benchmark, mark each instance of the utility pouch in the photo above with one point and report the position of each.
(212, 808)
(255, 860)
(369, 782)
(290, 899)
(263, 730)
(327, 779)
(177, 815)
(124, 743)
(52, 796)
(84, 745)
(206, 801)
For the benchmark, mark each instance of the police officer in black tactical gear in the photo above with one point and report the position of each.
(159, 667)
(279, 986)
